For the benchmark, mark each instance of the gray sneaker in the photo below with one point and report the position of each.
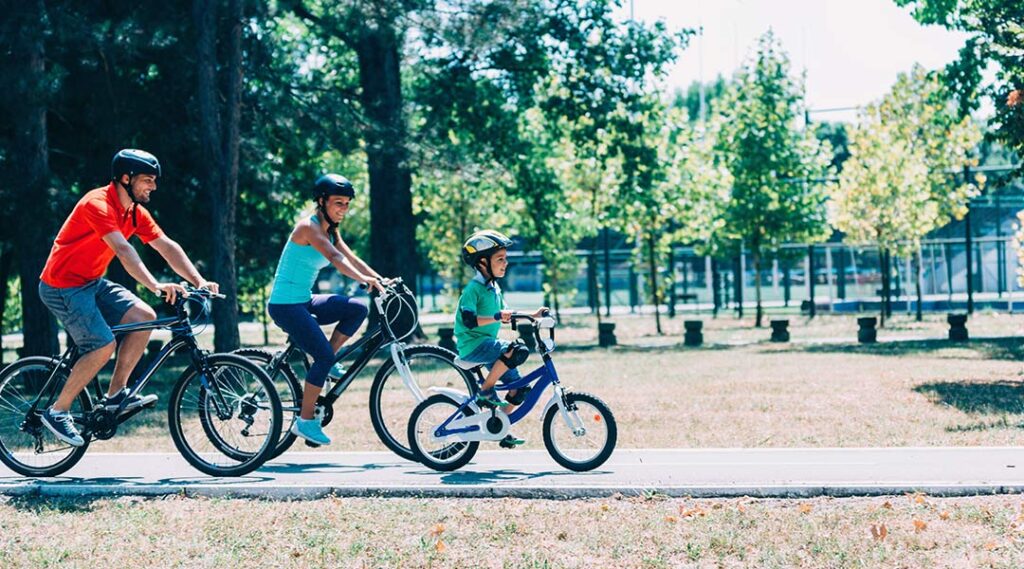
(134, 402)
(62, 426)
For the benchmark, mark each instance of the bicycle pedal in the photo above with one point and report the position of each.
(311, 444)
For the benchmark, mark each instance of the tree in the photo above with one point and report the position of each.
(776, 168)
(998, 36)
(27, 177)
(896, 187)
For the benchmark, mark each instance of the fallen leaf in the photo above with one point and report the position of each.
(561, 536)
(920, 526)
(887, 505)
(671, 519)
(437, 530)
(604, 507)
(944, 516)
(879, 532)
(806, 508)
(742, 509)
(919, 498)
(716, 506)
(990, 546)
(440, 546)
(296, 554)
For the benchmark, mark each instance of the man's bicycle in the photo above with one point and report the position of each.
(446, 429)
(399, 384)
(223, 413)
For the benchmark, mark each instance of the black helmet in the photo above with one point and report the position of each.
(483, 244)
(131, 161)
(333, 185)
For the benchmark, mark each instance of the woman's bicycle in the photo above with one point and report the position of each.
(398, 385)
(445, 430)
(223, 414)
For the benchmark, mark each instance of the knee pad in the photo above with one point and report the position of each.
(519, 354)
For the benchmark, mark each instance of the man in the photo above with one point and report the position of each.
(73, 288)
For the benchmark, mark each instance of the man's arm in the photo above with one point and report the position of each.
(179, 261)
(132, 263)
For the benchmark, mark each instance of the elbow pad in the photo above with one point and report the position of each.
(468, 318)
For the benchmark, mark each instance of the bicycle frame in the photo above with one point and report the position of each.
(182, 337)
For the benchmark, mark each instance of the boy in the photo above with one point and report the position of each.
(478, 319)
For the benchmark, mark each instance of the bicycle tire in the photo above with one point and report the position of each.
(604, 415)
(289, 389)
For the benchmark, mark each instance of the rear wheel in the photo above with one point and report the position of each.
(289, 390)
(392, 401)
(26, 446)
(445, 453)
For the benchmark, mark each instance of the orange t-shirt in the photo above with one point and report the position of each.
(79, 254)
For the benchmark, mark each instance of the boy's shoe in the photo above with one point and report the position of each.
(310, 430)
(337, 370)
(510, 441)
(111, 403)
(520, 395)
(62, 426)
(490, 399)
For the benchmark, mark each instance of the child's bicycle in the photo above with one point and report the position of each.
(223, 413)
(445, 430)
(398, 385)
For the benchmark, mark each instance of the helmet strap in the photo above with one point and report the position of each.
(331, 226)
(134, 208)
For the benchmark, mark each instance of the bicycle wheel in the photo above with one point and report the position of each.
(26, 446)
(226, 422)
(591, 439)
(392, 402)
(289, 390)
(443, 454)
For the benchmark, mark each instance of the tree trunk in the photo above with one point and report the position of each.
(917, 285)
(220, 141)
(6, 258)
(885, 286)
(30, 171)
(655, 290)
(392, 231)
(756, 257)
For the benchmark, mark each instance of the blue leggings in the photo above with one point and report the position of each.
(302, 323)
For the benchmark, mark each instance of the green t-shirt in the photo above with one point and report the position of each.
(482, 300)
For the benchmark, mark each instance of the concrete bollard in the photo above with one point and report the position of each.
(867, 334)
(694, 335)
(606, 334)
(957, 327)
(780, 332)
(447, 339)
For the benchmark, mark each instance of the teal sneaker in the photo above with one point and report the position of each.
(511, 441)
(337, 370)
(490, 399)
(310, 430)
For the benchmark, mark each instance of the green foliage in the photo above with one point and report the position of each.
(776, 167)
(998, 37)
(902, 180)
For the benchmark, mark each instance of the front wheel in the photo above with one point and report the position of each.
(26, 446)
(392, 400)
(225, 421)
(444, 454)
(585, 437)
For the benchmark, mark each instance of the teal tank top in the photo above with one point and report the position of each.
(296, 273)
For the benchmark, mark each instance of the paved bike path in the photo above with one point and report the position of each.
(533, 474)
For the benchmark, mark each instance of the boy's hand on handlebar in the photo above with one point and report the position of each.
(542, 311)
(170, 291)
(505, 316)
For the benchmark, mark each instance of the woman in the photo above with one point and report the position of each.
(314, 244)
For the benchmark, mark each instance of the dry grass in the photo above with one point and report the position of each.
(919, 393)
(919, 531)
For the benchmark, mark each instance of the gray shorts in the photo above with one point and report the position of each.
(87, 312)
